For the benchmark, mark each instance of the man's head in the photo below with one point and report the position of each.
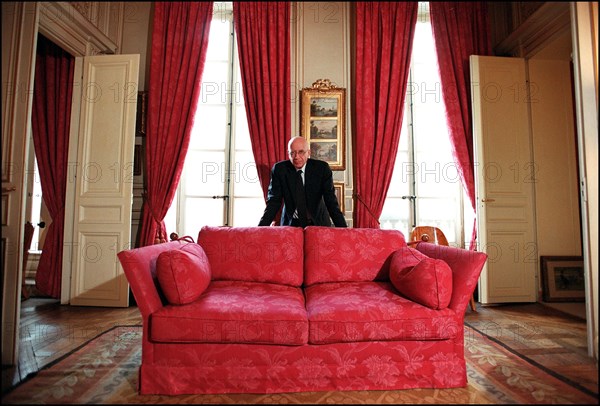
(298, 151)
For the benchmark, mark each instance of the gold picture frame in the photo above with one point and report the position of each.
(323, 119)
(339, 193)
(141, 114)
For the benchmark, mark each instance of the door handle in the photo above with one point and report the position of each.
(221, 197)
(488, 200)
(409, 197)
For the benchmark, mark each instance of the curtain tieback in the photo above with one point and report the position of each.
(367, 207)
(159, 239)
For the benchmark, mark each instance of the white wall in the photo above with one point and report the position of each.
(137, 37)
(320, 43)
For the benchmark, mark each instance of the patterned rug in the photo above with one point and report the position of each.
(105, 370)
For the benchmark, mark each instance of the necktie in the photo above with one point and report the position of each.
(300, 199)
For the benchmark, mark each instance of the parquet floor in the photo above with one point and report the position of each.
(553, 339)
(50, 330)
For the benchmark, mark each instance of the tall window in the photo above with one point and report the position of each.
(36, 209)
(219, 182)
(425, 189)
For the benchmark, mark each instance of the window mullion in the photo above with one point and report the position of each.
(411, 154)
(230, 168)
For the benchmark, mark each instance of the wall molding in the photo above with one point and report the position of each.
(63, 24)
(546, 23)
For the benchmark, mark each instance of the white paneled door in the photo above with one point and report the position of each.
(18, 63)
(103, 181)
(505, 174)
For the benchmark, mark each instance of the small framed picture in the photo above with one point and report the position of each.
(562, 279)
(323, 116)
(137, 160)
(339, 193)
(141, 114)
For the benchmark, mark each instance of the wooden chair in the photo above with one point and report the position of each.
(428, 234)
(435, 236)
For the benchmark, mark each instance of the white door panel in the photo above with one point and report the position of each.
(104, 180)
(19, 30)
(504, 179)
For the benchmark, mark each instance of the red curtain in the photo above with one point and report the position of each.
(384, 36)
(263, 36)
(460, 29)
(51, 118)
(179, 42)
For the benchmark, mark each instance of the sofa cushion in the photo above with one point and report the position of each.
(372, 311)
(425, 280)
(183, 274)
(255, 254)
(348, 254)
(236, 312)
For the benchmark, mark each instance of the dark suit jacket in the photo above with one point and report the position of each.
(321, 201)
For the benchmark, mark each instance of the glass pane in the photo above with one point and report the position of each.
(201, 212)
(436, 184)
(214, 83)
(204, 173)
(210, 129)
(439, 212)
(36, 208)
(399, 185)
(247, 211)
(242, 133)
(171, 217)
(237, 85)
(219, 30)
(395, 215)
(245, 178)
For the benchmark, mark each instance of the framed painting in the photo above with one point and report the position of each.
(339, 193)
(141, 114)
(137, 160)
(323, 119)
(562, 279)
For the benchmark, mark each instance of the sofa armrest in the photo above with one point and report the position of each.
(466, 267)
(139, 265)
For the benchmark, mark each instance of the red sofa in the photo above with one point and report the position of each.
(284, 309)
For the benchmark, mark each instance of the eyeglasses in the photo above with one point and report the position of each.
(297, 153)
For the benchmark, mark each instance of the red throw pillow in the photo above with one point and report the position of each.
(424, 280)
(183, 274)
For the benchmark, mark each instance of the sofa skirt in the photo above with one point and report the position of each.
(246, 368)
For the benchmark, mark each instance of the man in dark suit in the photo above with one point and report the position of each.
(321, 205)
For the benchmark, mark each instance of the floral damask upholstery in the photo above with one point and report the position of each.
(424, 280)
(260, 368)
(259, 254)
(236, 312)
(368, 311)
(348, 254)
(291, 309)
(183, 274)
